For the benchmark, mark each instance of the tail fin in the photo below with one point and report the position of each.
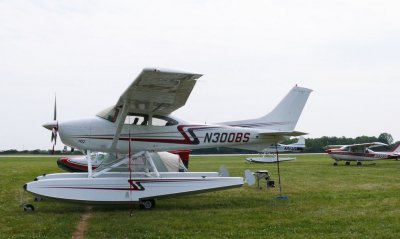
(397, 149)
(284, 116)
(301, 142)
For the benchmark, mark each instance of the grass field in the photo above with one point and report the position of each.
(324, 202)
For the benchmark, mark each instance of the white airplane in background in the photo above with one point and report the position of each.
(141, 122)
(296, 147)
(270, 153)
(360, 152)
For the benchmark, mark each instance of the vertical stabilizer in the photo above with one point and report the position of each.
(397, 149)
(284, 116)
(300, 143)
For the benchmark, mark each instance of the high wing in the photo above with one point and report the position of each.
(281, 134)
(368, 145)
(363, 145)
(158, 91)
(332, 146)
(153, 92)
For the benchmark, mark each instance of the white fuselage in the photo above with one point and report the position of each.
(345, 155)
(97, 134)
(284, 148)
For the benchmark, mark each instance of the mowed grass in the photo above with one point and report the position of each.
(324, 202)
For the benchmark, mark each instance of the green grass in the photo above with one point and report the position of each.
(324, 202)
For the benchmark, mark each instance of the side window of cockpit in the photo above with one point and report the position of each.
(137, 119)
(163, 121)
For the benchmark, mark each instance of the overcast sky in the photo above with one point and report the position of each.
(250, 52)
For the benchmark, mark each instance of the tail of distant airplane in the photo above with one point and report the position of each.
(300, 143)
(397, 149)
(284, 116)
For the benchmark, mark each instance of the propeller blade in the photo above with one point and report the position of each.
(55, 107)
(53, 125)
(55, 137)
(53, 134)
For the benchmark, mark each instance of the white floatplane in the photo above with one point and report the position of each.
(295, 148)
(271, 152)
(141, 122)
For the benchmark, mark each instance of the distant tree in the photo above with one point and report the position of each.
(36, 151)
(364, 139)
(9, 151)
(385, 138)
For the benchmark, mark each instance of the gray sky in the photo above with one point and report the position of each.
(250, 52)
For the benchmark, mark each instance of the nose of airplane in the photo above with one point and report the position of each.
(50, 125)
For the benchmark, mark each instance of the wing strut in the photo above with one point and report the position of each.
(121, 120)
(89, 163)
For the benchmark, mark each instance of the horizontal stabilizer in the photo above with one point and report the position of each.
(281, 134)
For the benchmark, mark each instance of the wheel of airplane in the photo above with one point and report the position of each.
(347, 163)
(358, 163)
(335, 164)
(147, 204)
(28, 208)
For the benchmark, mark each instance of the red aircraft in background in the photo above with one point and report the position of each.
(360, 152)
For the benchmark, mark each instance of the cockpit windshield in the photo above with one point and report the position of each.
(109, 114)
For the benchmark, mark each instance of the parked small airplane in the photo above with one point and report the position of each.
(296, 147)
(141, 122)
(360, 152)
(270, 156)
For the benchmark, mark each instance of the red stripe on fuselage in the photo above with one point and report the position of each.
(368, 155)
(185, 140)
